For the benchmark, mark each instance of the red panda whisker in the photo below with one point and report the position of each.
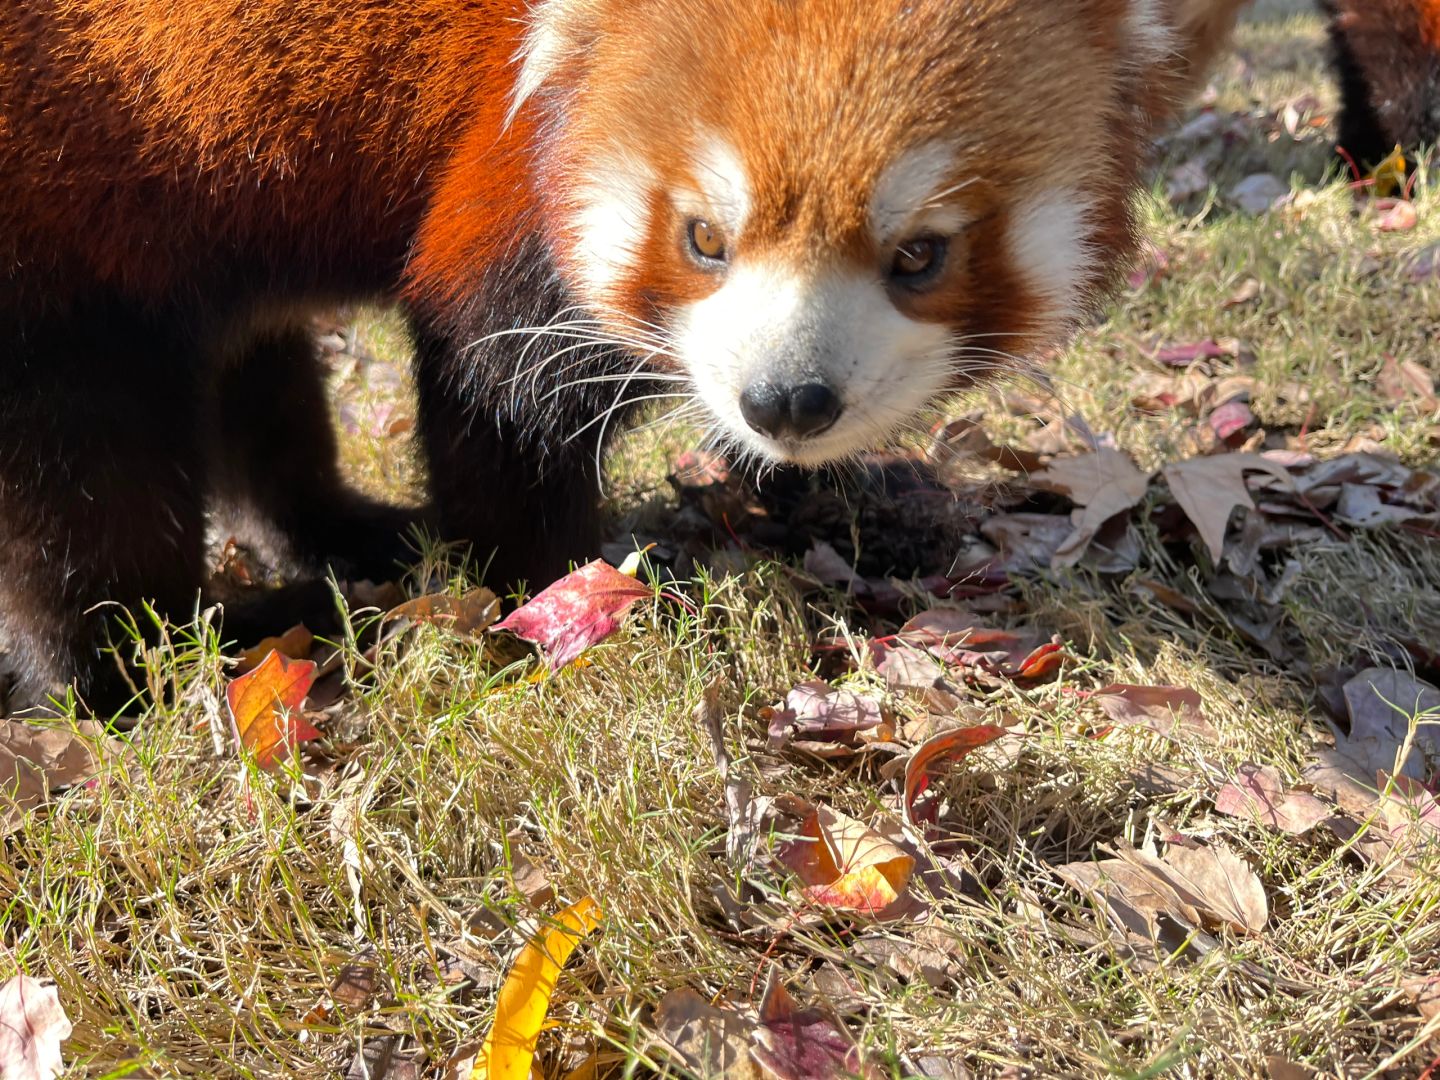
(680, 414)
(621, 403)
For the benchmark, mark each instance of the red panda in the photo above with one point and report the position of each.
(1387, 58)
(808, 216)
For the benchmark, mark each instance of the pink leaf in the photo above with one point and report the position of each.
(32, 1027)
(1258, 793)
(578, 611)
(802, 1044)
(1231, 419)
(816, 710)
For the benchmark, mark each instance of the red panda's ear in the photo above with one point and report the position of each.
(559, 33)
(1196, 32)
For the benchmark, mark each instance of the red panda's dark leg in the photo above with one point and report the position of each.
(1363, 134)
(275, 473)
(101, 500)
(513, 428)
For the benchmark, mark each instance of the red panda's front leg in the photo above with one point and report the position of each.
(514, 416)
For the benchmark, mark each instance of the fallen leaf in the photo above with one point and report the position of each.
(1405, 380)
(826, 565)
(1209, 488)
(32, 1026)
(1258, 192)
(523, 1003)
(803, 1044)
(1425, 992)
(1258, 793)
(1399, 217)
(34, 761)
(1102, 484)
(843, 863)
(713, 1043)
(1230, 893)
(1187, 353)
(817, 710)
(1282, 1068)
(1231, 419)
(948, 747)
(1248, 292)
(295, 643)
(578, 611)
(1133, 896)
(1027, 541)
(1162, 709)
(467, 615)
(264, 706)
(1382, 703)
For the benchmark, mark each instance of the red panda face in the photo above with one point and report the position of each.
(826, 213)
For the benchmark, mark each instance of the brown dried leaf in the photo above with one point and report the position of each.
(1133, 894)
(1102, 484)
(466, 615)
(817, 710)
(1162, 709)
(713, 1043)
(1229, 891)
(1209, 488)
(35, 761)
(1258, 793)
(295, 643)
(1382, 703)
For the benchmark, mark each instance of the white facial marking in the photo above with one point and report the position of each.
(722, 192)
(612, 213)
(910, 192)
(770, 323)
(1147, 32)
(1051, 245)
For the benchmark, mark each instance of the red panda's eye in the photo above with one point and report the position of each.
(706, 241)
(918, 259)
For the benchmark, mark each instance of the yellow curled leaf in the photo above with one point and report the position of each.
(524, 1000)
(1389, 177)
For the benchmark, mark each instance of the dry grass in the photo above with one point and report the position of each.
(195, 910)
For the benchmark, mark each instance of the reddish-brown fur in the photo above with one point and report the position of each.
(181, 182)
(1387, 54)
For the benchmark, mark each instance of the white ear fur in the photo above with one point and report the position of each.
(557, 32)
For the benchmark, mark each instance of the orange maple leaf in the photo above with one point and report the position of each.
(264, 706)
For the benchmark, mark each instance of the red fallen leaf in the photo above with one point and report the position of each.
(1258, 793)
(816, 709)
(578, 611)
(949, 746)
(264, 706)
(1160, 708)
(803, 1044)
(1043, 663)
(1186, 354)
(1231, 419)
(843, 863)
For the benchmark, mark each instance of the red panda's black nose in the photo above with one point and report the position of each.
(794, 412)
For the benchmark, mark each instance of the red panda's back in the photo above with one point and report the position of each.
(142, 141)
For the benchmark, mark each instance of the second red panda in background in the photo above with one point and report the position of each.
(1387, 57)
